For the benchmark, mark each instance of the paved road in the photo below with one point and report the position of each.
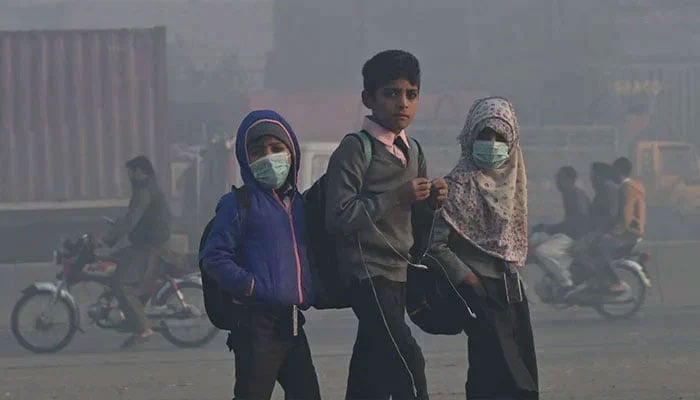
(653, 357)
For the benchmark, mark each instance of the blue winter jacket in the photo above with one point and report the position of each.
(270, 244)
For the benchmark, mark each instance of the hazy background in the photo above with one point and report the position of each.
(590, 80)
(557, 59)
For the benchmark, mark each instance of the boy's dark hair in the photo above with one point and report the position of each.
(388, 66)
(568, 172)
(604, 171)
(142, 163)
(623, 165)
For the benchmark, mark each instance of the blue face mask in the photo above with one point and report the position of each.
(489, 154)
(272, 170)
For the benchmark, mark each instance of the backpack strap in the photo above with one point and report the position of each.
(242, 197)
(242, 201)
(417, 146)
(366, 146)
(364, 138)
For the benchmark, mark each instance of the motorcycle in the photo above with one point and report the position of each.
(47, 316)
(630, 267)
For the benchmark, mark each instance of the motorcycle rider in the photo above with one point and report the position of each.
(147, 225)
(552, 242)
(631, 220)
(591, 251)
(632, 201)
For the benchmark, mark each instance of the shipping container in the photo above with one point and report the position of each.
(668, 91)
(74, 106)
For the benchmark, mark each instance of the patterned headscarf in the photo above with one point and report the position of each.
(489, 207)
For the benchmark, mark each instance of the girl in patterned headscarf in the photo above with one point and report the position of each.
(480, 242)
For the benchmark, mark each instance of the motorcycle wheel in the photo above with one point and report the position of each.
(637, 291)
(171, 330)
(40, 323)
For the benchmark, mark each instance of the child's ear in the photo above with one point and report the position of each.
(368, 99)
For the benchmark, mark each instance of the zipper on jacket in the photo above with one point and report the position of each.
(295, 321)
(297, 258)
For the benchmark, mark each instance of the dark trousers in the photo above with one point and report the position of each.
(132, 306)
(601, 253)
(502, 360)
(132, 263)
(266, 351)
(386, 360)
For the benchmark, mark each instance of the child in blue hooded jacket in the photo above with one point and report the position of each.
(262, 260)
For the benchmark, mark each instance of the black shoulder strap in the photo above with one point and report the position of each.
(416, 145)
(242, 197)
(243, 201)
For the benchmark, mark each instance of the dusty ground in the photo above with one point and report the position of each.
(653, 357)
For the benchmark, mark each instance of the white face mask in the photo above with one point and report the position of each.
(489, 154)
(272, 170)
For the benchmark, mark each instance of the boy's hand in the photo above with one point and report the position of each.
(416, 190)
(438, 193)
(471, 279)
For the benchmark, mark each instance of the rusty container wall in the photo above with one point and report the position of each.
(673, 90)
(74, 106)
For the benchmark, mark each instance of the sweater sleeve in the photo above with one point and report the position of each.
(440, 253)
(137, 207)
(349, 208)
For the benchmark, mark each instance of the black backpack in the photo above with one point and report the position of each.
(431, 302)
(218, 303)
(331, 289)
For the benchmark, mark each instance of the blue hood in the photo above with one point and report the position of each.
(249, 121)
(268, 245)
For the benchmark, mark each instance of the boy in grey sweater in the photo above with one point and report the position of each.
(370, 211)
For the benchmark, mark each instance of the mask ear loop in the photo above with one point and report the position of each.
(386, 240)
(386, 323)
(425, 254)
(454, 288)
(379, 305)
(442, 267)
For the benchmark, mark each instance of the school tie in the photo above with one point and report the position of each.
(401, 145)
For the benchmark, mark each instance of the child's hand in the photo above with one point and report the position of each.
(471, 279)
(416, 190)
(438, 193)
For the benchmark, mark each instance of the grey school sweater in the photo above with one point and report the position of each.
(357, 199)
